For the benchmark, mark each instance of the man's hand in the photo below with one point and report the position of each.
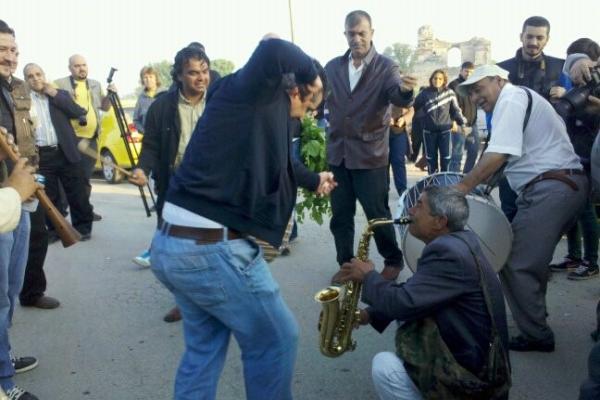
(580, 71)
(10, 140)
(408, 83)
(326, 183)
(50, 90)
(466, 130)
(138, 177)
(355, 270)
(111, 88)
(593, 105)
(556, 92)
(21, 179)
(363, 319)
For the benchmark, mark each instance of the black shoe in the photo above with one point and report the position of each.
(85, 237)
(52, 238)
(43, 302)
(568, 264)
(583, 272)
(97, 217)
(16, 393)
(23, 364)
(521, 343)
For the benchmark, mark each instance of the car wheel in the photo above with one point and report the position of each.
(111, 174)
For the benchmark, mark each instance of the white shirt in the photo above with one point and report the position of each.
(354, 73)
(45, 135)
(544, 145)
(10, 212)
(176, 215)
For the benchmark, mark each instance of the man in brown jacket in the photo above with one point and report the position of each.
(363, 84)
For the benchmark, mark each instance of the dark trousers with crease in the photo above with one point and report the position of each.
(55, 167)
(370, 188)
(34, 282)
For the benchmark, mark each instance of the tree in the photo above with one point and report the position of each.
(222, 66)
(401, 53)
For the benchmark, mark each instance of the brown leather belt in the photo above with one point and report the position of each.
(200, 235)
(558, 175)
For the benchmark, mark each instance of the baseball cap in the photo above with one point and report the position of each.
(483, 71)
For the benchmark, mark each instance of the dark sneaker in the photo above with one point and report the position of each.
(568, 264)
(17, 393)
(521, 343)
(583, 272)
(24, 364)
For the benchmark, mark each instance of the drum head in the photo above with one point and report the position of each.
(486, 220)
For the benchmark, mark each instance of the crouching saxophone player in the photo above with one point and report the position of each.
(443, 311)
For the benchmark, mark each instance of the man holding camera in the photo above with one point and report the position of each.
(88, 94)
(531, 68)
(582, 125)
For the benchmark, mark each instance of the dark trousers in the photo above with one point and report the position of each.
(370, 187)
(56, 168)
(586, 226)
(435, 142)
(87, 165)
(398, 149)
(34, 282)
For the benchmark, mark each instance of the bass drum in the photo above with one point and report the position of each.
(486, 220)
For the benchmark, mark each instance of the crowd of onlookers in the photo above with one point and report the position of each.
(374, 119)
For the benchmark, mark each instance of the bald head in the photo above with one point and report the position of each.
(78, 67)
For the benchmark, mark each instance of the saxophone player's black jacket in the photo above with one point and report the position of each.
(446, 287)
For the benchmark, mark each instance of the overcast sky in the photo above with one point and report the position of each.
(128, 34)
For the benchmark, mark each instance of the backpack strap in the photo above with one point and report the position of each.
(498, 175)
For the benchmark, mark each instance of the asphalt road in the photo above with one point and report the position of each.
(107, 341)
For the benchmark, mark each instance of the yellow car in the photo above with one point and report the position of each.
(111, 146)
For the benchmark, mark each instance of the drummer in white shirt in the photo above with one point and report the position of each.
(542, 167)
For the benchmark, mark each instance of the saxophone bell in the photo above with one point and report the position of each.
(340, 311)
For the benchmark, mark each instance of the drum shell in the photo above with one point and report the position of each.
(486, 220)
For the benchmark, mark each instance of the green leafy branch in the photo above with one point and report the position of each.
(313, 152)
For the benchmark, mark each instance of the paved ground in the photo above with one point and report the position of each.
(107, 340)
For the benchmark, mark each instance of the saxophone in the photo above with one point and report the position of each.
(340, 303)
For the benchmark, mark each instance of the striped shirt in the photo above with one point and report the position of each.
(40, 114)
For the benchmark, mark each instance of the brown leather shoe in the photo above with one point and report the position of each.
(390, 272)
(173, 315)
(45, 303)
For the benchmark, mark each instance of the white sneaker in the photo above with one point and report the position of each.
(143, 260)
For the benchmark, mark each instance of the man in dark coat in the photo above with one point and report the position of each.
(59, 161)
(445, 287)
(363, 84)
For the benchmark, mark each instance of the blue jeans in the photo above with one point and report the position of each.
(398, 150)
(472, 148)
(434, 142)
(13, 258)
(222, 289)
(458, 147)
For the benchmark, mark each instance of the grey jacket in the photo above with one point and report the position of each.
(358, 134)
(95, 90)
